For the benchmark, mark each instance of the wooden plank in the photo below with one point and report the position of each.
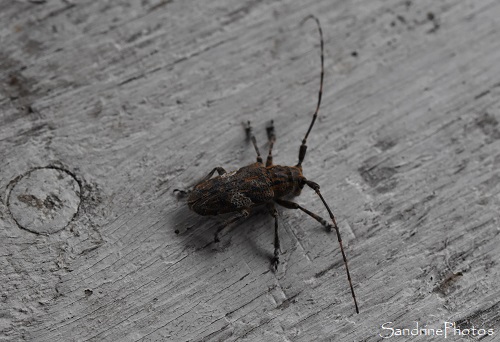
(127, 101)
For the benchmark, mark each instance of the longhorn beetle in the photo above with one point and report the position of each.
(257, 185)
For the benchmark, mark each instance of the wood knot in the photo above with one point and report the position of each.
(44, 200)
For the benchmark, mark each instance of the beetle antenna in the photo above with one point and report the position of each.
(315, 187)
(303, 146)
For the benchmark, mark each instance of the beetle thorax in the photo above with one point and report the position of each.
(286, 180)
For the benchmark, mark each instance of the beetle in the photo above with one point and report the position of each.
(260, 184)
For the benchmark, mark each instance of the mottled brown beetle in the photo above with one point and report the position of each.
(256, 185)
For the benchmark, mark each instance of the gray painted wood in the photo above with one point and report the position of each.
(135, 99)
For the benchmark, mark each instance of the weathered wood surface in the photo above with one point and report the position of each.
(132, 99)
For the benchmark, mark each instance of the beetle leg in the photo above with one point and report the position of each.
(250, 135)
(272, 138)
(276, 259)
(242, 214)
(219, 170)
(293, 205)
(182, 192)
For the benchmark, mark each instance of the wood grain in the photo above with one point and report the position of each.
(138, 98)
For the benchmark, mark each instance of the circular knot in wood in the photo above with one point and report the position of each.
(44, 200)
